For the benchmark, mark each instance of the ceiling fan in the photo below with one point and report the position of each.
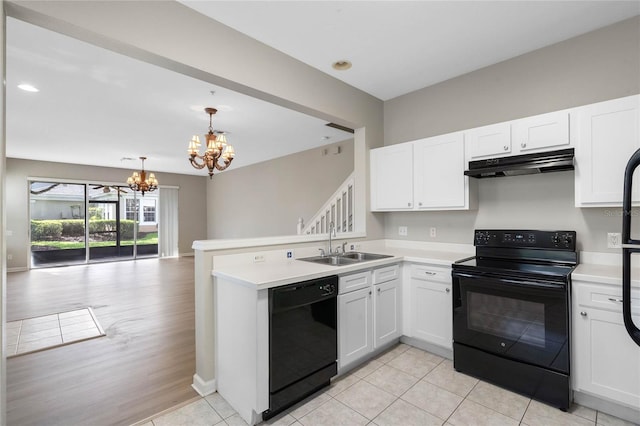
(107, 188)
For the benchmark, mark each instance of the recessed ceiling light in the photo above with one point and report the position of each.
(341, 65)
(28, 87)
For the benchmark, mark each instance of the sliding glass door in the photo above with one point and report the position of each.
(110, 236)
(57, 223)
(75, 223)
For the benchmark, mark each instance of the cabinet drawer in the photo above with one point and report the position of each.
(388, 273)
(430, 273)
(604, 297)
(354, 282)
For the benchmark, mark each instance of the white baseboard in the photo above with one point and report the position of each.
(612, 408)
(18, 269)
(203, 387)
(429, 347)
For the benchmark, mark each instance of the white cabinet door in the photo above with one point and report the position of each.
(606, 360)
(542, 132)
(392, 177)
(488, 141)
(439, 167)
(387, 324)
(609, 135)
(355, 319)
(431, 312)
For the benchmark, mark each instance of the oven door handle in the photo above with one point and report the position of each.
(550, 285)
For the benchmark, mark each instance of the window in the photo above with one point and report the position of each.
(149, 212)
(131, 209)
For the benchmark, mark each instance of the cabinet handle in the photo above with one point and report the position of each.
(506, 148)
(613, 299)
(583, 313)
(408, 204)
(429, 273)
(369, 292)
(523, 145)
(378, 290)
(420, 203)
(447, 290)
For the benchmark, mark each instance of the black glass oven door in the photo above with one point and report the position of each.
(517, 319)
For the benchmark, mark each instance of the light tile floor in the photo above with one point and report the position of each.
(404, 386)
(35, 334)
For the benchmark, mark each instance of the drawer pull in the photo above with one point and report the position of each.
(506, 148)
(583, 313)
(523, 145)
(613, 299)
(430, 273)
(447, 290)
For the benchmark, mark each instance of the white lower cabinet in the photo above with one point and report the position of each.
(355, 319)
(430, 317)
(368, 313)
(606, 362)
(387, 326)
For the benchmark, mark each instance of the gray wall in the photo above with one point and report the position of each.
(601, 65)
(266, 199)
(191, 200)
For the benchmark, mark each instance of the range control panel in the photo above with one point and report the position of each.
(562, 240)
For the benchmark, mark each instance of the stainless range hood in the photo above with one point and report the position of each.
(543, 162)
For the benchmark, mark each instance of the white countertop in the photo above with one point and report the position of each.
(265, 275)
(273, 273)
(604, 274)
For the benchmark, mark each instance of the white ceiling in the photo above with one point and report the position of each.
(397, 47)
(96, 107)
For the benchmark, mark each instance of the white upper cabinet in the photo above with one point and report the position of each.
(427, 174)
(542, 132)
(439, 179)
(489, 141)
(608, 136)
(392, 177)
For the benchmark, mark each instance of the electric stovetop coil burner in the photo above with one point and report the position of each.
(511, 311)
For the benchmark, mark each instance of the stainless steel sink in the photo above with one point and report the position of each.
(362, 257)
(345, 259)
(330, 260)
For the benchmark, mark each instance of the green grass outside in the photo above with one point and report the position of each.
(150, 238)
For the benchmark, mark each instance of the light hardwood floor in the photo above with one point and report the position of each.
(144, 365)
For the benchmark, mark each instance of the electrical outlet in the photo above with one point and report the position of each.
(258, 258)
(403, 231)
(289, 254)
(355, 247)
(614, 240)
(432, 232)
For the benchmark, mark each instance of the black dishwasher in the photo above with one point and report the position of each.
(303, 341)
